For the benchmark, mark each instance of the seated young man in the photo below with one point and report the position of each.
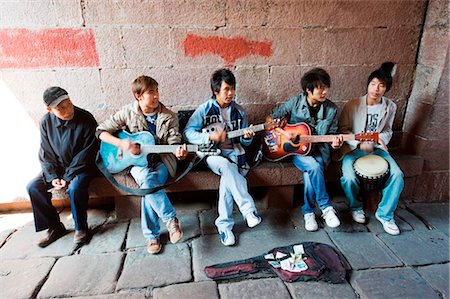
(147, 113)
(222, 111)
(313, 108)
(372, 112)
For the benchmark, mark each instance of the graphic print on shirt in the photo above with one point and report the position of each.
(373, 117)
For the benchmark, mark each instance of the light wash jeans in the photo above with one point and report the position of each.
(156, 205)
(233, 186)
(391, 189)
(313, 181)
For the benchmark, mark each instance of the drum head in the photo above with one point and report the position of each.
(371, 166)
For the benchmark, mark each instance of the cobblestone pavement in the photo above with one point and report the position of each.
(115, 264)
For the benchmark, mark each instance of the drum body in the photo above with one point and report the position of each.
(372, 171)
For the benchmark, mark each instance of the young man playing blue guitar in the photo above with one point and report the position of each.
(313, 108)
(148, 114)
(372, 112)
(222, 114)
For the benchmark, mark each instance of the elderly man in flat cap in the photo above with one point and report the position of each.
(67, 156)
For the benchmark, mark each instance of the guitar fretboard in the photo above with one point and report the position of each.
(324, 138)
(240, 132)
(165, 149)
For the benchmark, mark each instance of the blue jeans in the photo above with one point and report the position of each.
(233, 187)
(391, 189)
(156, 205)
(314, 182)
(45, 214)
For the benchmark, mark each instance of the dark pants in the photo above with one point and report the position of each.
(45, 214)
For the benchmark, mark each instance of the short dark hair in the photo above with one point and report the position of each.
(384, 74)
(219, 76)
(314, 78)
(141, 84)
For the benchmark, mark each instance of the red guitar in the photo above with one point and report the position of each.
(278, 143)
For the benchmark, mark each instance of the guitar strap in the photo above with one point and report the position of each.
(142, 192)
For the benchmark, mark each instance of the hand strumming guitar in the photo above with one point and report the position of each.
(127, 145)
(218, 136)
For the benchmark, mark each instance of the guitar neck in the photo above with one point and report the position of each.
(165, 149)
(324, 138)
(240, 132)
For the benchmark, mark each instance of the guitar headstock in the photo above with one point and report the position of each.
(367, 136)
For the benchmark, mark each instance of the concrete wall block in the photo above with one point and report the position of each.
(147, 47)
(118, 13)
(110, 47)
(433, 48)
(256, 113)
(433, 187)
(435, 153)
(437, 15)
(252, 84)
(247, 13)
(284, 82)
(372, 14)
(345, 14)
(324, 46)
(40, 14)
(195, 14)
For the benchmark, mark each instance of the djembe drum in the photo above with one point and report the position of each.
(372, 172)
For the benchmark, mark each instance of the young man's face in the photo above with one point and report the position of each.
(149, 100)
(376, 89)
(64, 110)
(318, 95)
(225, 94)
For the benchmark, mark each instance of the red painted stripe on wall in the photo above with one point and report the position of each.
(25, 48)
(230, 49)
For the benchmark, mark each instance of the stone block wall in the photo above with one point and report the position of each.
(95, 48)
(426, 124)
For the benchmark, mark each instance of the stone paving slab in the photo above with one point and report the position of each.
(364, 250)
(197, 290)
(411, 219)
(22, 244)
(255, 288)
(95, 218)
(438, 277)
(320, 289)
(419, 248)
(376, 227)
(141, 269)
(106, 238)
(208, 250)
(436, 214)
(189, 224)
(391, 283)
(82, 275)
(4, 235)
(31, 271)
(114, 296)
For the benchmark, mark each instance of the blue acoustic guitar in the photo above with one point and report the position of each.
(116, 160)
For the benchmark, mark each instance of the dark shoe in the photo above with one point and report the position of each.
(81, 236)
(52, 235)
(174, 228)
(153, 246)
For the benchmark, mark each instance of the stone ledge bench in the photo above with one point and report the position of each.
(272, 182)
(275, 182)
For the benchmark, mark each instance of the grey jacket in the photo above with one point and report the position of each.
(132, 118)
(353, 120)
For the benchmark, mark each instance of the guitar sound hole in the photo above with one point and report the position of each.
(296, 139)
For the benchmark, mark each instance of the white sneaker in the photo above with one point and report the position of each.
(253, 219)
(389, 226)
(227, 237)
(329, 215)
(310, 222)
(359, 216)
